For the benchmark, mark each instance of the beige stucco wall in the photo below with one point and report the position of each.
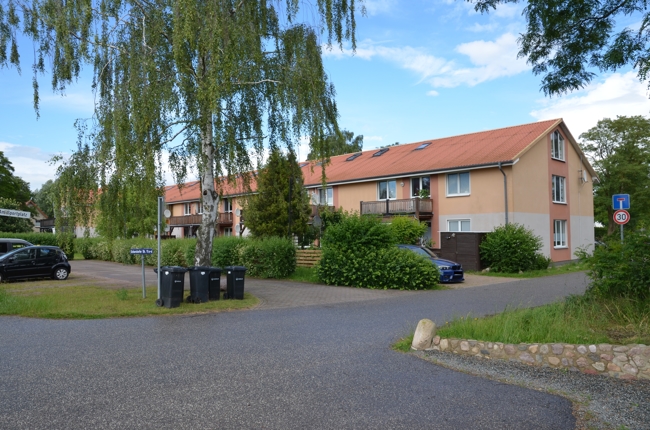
(350, 195)
(531, 193)
(486, 194)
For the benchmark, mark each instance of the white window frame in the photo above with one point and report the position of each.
(420, 187)
(558, 189)
(227, 205)
(559, 233)
(199, 208)
(557, 146)
(459, 223)
(187, 209)
(458, 191)
(323, 197)
(227, 231)
(388, 183)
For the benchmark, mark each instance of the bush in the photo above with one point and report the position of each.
(65, 241)
(512, 248)
(269, 258)
(226, 251)
(407, 230)
(361, 252)
(35, 238)
(621, 270)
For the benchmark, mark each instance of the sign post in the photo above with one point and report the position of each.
(142, 252)
(161, 205)
(621, 202)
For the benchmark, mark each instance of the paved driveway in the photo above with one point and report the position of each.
(320, 365)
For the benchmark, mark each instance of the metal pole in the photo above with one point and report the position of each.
(160, 199)
(621, 233)
(144, 289)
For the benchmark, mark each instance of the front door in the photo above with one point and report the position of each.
(45, 259)
(23, 264)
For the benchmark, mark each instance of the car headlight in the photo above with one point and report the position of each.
(445, 267)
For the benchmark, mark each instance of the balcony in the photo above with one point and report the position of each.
(420, 208)
(318, 209)
(47, 223)
(223, 218)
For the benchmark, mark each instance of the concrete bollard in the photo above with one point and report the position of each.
(424, 335)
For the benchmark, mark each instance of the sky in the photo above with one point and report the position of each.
(423, 69)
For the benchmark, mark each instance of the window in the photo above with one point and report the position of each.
(424, 145)
(557, 146)
(352, 157)
(227, 205)
(380, 152)
(387, 190)
(458, 225)
(458, 184)
(227, 231)
(199, 208)
(417, 184)
(187, 209)
(559, 196)
(323, 197)
(559, 233)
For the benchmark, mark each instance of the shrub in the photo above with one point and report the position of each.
(269, 258)
(226, 251)
(512, 248)
(85, 246)
(621, 269)
(408, 230)
(65, 241)
(35, 238)
(361, 252)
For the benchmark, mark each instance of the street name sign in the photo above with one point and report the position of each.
(15, 213)
(142, 251)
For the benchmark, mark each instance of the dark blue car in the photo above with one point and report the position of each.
(450, 271)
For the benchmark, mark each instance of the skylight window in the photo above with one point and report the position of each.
(424, 145)
(353, 156)
(380, 152)
(303, 165)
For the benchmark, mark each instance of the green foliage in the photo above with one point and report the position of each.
(12, 224)
(361, 252)
(343, 142)
(11, 187)
(619, 151)
(408, 230)
(226, 251)
(176, 252)
(45, 197)
(279, 193)
(621, 270)
(65, 241)
(512, 248)
(269, 258)
(35, 238)
(566, 40)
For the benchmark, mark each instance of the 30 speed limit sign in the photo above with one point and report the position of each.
(621, 216)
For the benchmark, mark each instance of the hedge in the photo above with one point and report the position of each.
(65, 241)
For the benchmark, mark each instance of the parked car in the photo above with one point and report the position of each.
(8, 245)
(35, 262)
(450, 271)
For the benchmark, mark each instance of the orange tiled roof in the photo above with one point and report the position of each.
(191, 191)
(464, 151)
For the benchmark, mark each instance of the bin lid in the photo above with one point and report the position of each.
(173, 269)
(197, 268)
(215, 269)
(236, 268)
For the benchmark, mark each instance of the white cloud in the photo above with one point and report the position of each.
(376, 7)
(478, 28)
(507, 10)
(491, 60)
(372, 139)
(617, 94)
(30, 163)
(433, 93)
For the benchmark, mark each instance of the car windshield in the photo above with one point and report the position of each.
(10, 253)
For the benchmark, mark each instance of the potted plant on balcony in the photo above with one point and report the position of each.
(424, 194)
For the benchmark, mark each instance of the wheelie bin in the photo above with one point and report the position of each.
(172, 284)
(199, 284)
(215, 283)
(235, 282)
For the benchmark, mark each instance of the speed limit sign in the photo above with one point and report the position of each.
(621, 216)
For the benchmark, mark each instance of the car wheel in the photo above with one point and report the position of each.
(60, 274)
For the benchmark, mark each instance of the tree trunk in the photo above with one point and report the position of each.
(611, 225)
(209, 199)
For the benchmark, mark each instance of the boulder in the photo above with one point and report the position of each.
(424, 335)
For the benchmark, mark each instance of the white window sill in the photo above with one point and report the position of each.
(558, 159)
(559, 203)
(458, 195)
(561, 247)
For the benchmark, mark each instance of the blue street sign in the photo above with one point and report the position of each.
(621, 201)
(142, 251)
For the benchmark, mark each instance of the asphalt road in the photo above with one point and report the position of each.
(324, 365)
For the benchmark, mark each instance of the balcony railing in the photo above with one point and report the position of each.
(47, 223)
(223, 218)
(421, 208)
(316, 209)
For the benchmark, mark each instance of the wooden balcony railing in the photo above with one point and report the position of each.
(421, 208)
(47, 223)
(315, 209)
(223, 218)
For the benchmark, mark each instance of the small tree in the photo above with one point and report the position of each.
(408, 230)
(512, 248)
(281, 207)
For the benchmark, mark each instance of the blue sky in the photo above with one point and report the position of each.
(423, 69)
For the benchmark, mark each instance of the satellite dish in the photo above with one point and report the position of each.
(238, 212)
(167, 213)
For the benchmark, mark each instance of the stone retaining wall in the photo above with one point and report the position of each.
(618, 361)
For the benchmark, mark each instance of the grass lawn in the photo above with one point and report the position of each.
(559, 270)
(92, 302)
(304, 274)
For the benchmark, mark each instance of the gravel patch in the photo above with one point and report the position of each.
(599, 402)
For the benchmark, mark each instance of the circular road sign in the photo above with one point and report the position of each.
(621, 216)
